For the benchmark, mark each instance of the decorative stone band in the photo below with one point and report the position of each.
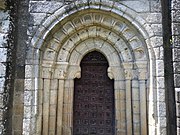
(68, 35)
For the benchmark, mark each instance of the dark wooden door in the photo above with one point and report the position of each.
(93, 112)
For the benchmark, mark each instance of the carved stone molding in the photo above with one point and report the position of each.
(60, 70)
(110, 73)
(74, 71)
(116, 73)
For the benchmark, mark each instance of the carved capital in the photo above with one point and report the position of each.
(116, 73)
(142, 74)
(46, 72)
(128, 74)
(110, 73)
(135, 74)
(142, 64)
(74, 71)
(77, 74)
(60, 70)
(61, 74)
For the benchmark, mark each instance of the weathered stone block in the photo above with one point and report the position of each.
(160, 82)
(1, 101)
(155, 6)
(26, 128)
(1, 115)
(27, 111)
(2, 81)
(36, 18)
(176, 15)
(138, 6)
(178, 96)
(176, 53)
(153, 17)
(176, 67)
(28, 95)
(18, 109)
(3, 40)
(178, 111)
(18, 97)
(157, 52)
(17, 123)
(3, 54)
(175, 4)
(161, 95)
(44, 6)
(176, 41)
(177, 80)
(160, 68)
(4, 23)
(17, 132)
(157, 28)
(163, 123)
(162, 109)
(176, 28)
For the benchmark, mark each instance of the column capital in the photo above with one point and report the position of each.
(131, 74)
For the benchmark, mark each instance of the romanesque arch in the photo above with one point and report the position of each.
(93, 100)
(58, 48)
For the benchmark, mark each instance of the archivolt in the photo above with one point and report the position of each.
(112, 8)
(118, 33)
(117, 39)
(114, 30)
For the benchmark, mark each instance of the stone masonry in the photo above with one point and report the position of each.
(42, 43)
(4, 93)
(176, 60)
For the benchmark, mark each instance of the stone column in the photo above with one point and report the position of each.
(116, 73)
(142, 68)
(143, 106)
(68, 106)
(128, 106)
(135, 102)
(67, 118)
(60, 74)
(46, 94)
(54, 89)
(60, 106)
(128, 77)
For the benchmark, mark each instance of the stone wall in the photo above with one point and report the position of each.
(24, 96)
(176, 51)
(4, 93)
(43, 12)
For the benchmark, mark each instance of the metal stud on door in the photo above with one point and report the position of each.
(94, 98)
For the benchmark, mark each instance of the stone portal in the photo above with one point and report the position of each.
(94, 98)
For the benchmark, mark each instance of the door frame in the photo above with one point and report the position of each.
(103, 64)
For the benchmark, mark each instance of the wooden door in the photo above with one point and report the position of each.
(93, 109)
